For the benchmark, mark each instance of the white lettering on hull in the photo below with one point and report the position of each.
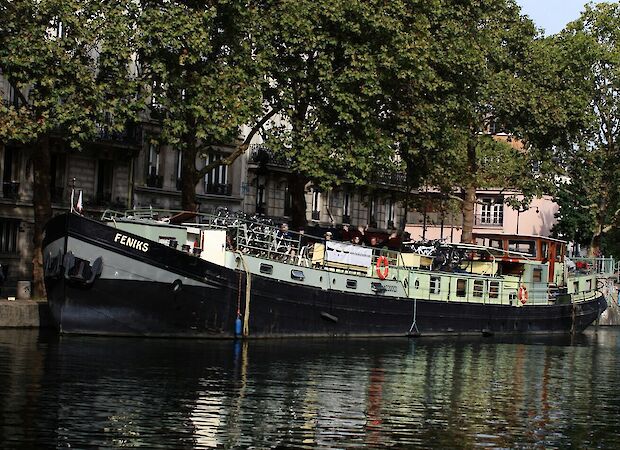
(131, 242)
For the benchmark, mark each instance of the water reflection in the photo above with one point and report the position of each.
(427, 393)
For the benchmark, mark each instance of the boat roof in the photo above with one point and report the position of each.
(503, 236)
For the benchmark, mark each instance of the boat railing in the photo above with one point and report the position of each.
(599, 266)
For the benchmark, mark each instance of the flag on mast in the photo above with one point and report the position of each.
(78, 207)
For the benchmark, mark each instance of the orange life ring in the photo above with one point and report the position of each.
(523, 295)
(382, 267)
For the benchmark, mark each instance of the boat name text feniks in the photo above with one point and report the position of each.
(131, 242)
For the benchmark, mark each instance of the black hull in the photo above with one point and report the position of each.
(207, 307)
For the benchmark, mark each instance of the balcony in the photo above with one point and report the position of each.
(387, 178)
(130, 136)
(262, 156)
(10, 189)
(218, 189)
(155, 181)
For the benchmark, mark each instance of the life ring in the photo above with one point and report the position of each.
(523, 295)
(382, 267)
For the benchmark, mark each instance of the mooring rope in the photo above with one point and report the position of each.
(572, 327)
(248, 288)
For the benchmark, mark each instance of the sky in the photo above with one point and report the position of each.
(552, 15)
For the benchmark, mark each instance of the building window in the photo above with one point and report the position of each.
(10, 187)
(153, 164)
(153, 179)
(13, 97)
(316, 204)
(492, 212)
(372, 212)
(105, 174)
(58, 163)
(8, 235)
(435, 287)
(288, 203)
(216, 180)
(390, 214)
(179, 168)
(157, 93)
(346, 208)
(260, 199)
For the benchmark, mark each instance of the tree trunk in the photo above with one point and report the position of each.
(188, 180)
(42, 202)
(297, 185)
(469, 203)
(468, 214)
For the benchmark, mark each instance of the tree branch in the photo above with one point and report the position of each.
(240, 149)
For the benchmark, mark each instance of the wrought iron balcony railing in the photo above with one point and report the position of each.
(218, 189)
(131, 135)
(261, 155)
(487, 220)
(156, 181)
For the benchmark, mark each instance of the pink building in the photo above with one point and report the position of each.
(491, 215)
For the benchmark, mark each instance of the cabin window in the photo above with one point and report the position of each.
(478, 288)
(558, 252)
(522, 247)
(537, 275)
(297, 275)
(435, 287)
(494, 289)
(352, 284)
(266, 268)
(576, 287)
(495, 243)
(544, 250)
(588, 285)
(461, 287)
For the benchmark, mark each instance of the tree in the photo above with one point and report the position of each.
(68, 63)
(483, 50)
(589, 50)
(198, 62)
(325, 64)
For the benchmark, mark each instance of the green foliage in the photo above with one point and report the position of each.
(482, 77)
(326, 61)
(70, 59)
(195, 58)
(588, 52)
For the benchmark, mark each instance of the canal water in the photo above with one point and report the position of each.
(88, 392)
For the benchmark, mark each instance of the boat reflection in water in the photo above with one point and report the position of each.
(427, 393)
